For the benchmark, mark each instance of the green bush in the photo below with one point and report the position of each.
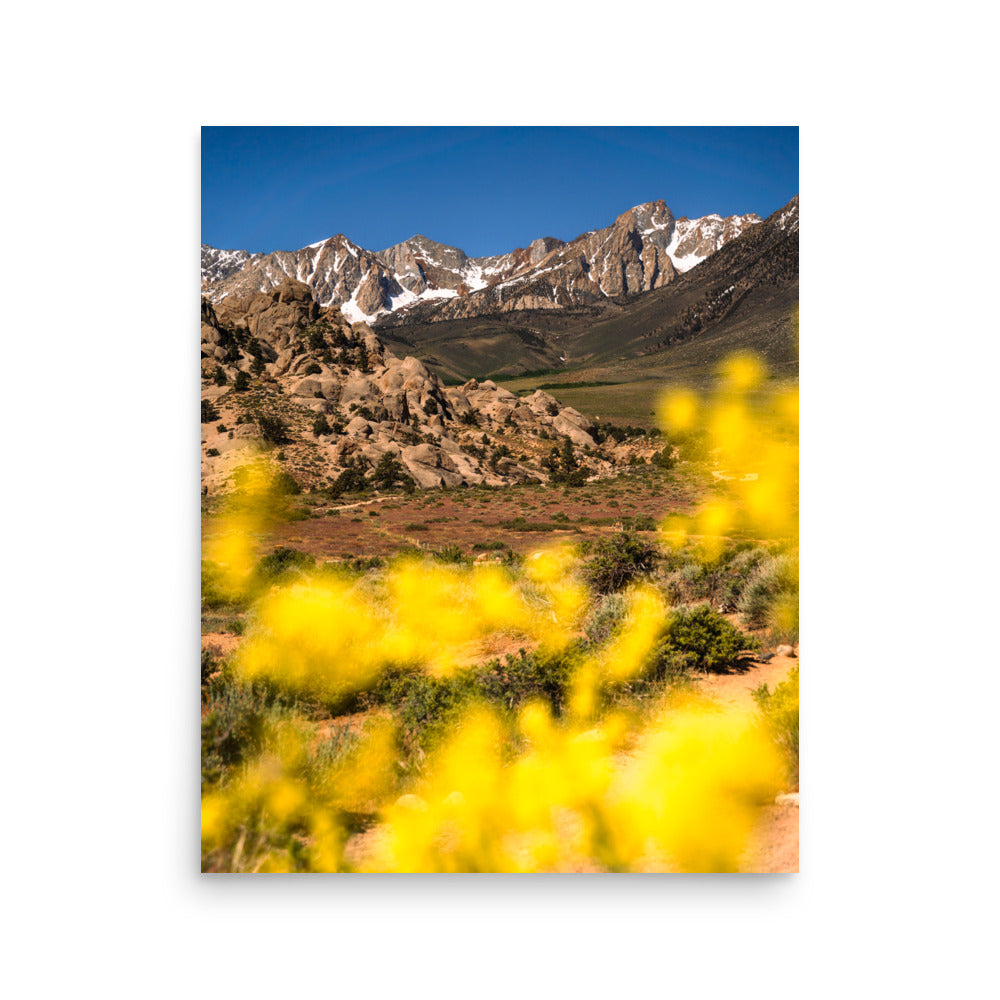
(212, 452)
(424, 707)
(321, 426)
(563, 467)
(543, 675)
(578, 477)
(351, 480)
(239, 721)
(664, 459)
(641, 522)
(313, 369)
(286, 484)
(451, 554)
(281, 564)
(272, 428)
(696, 639)
(213, 592)
(618, 560)
(390, 473)
(220, 376)
(780, 714)
(242, 382)
(208, 411)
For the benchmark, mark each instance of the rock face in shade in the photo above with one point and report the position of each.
(645, 248)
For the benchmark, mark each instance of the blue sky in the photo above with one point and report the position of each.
(486, 190)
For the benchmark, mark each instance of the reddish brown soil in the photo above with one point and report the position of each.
(382, 526)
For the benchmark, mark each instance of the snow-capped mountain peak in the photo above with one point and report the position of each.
(644, 248)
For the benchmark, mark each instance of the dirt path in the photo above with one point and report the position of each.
(736, 690)
(361, 503)
(775, 844)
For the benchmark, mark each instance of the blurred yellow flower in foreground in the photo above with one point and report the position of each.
(683, 798)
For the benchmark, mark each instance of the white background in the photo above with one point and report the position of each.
(100, 248)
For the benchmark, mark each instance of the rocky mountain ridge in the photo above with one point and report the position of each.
(426, 281)
(279, 367)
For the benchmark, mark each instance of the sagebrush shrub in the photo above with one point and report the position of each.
(239, 721)
(618, 560)
(783, 618)
(780, 712)
(606, 619)
(777, 575)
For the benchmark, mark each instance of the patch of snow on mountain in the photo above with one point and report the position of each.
(352, 312)
(685, 263)
(473, 277)
(791, 213)
(404, 299)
